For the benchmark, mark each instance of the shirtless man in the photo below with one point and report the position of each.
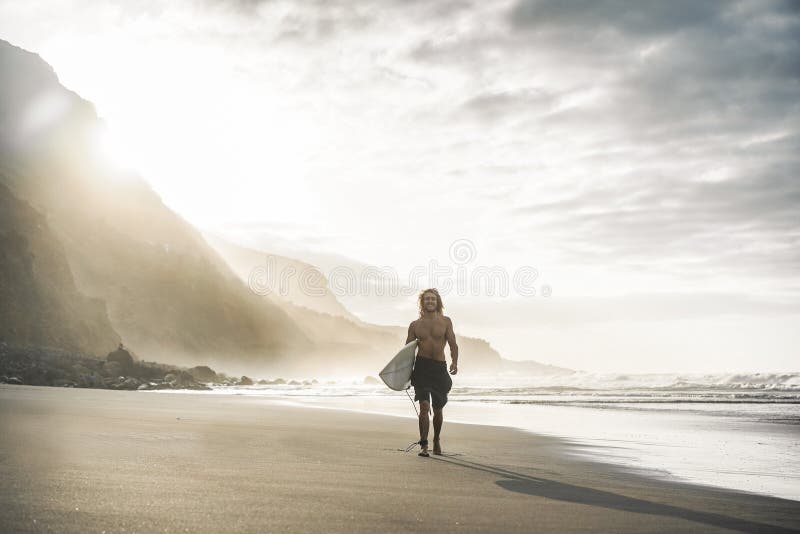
(430, 379)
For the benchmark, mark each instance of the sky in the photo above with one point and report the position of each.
(642, 157)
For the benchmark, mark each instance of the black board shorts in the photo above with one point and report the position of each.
(431, 381)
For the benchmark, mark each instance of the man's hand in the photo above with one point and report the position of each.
(451, 340)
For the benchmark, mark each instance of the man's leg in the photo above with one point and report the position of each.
(438, 417)
(424, 422)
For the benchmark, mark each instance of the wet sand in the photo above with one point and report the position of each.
(80, 460)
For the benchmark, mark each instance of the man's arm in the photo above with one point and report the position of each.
(411, 336)
(451, 340)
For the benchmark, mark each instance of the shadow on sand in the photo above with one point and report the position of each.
(551, 489)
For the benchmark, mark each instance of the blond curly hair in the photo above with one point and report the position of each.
(439, 304)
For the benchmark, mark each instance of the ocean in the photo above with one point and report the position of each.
(737, 431)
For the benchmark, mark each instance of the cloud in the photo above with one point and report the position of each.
(648, 17)
(748, 223)
(664, 60)
(492, 105)
(655, 133)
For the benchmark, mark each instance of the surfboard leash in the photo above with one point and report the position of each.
(412, 403)
(412, 446)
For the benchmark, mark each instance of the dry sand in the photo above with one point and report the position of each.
(80, 460)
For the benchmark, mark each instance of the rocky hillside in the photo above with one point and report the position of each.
(346, 342)
(40, 303)
(167, 293)
(288, 279)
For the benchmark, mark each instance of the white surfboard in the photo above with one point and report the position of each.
(397, 373)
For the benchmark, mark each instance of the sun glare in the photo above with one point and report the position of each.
(114, 151)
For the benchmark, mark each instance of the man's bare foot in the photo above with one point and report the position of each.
(424, 444)
(437, 447)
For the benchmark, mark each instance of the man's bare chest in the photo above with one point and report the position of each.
(431, 329)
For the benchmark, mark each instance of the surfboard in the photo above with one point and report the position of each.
(397, 373)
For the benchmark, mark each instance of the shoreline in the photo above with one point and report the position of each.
(82, 459)
(698, 448)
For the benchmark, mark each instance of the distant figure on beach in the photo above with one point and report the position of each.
(429, 378)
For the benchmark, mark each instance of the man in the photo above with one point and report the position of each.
(430, 379)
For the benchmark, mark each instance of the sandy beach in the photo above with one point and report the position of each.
(83, 460)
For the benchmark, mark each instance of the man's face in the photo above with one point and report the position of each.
(429, 302)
